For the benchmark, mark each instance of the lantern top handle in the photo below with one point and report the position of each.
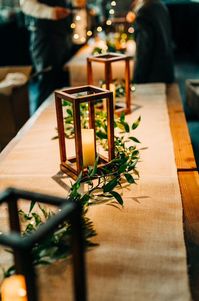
(108, 57)
(82, 93)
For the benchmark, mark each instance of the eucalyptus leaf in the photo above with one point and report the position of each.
(65, 103)
(122, 168)
(44, 262)
(135, 153)
(136, 123)
(37, 218)
(79, 178)
(132, 165)
(120, 126)
(55, 137)
(70, 112)
(101, 135)
(126, 126)
(117, 196)
(122, 117)
(110, 185)
(68, 119)
(85, 199)
(117, 160)
(32, 204)
(129, 178)
(134, 139)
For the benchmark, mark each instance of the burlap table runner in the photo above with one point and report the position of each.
(141, 253)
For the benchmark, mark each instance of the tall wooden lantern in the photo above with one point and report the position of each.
(107, 59)
(85, 138)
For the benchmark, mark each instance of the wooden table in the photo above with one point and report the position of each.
(185, 161)
(189, 182)
(31, 161)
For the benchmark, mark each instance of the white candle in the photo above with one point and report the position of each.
(88, 147)
(14, 289)
(112, 89)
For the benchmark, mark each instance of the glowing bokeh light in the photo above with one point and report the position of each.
(99, 28)
(108, 22)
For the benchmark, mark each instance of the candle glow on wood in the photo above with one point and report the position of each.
(88, 147)
(112, 89)
(14, 289)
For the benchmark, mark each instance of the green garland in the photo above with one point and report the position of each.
(101, 187)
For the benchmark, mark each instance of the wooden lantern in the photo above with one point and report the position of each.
(107, 59)
(25, 281)
(85, 139)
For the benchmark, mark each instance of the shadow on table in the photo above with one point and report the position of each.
(59, 178)
(136, 107)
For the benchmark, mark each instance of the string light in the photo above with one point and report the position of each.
(77, 18)
(108, 22)
(79, 26)
(131, 30)
(99, 28)
(73, 25)
(113, 3)
(89, 33)
(111, 11)
(83, 39)
(76, 36)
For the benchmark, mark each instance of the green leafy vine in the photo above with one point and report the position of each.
(102, 186)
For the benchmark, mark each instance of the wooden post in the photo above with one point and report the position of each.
(89, 72)
(127, 86)
(60, 127)
(110, 128)
(108, 75)
(78, 137)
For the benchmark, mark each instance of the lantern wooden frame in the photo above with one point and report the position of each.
(91, 95)
(107, 59)
(22, 245)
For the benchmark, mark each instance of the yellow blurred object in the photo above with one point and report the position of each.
(130, 17)
(80, 3)
(14, 289)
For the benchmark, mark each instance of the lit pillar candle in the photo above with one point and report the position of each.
(112, 89)
(14, 289)
(88, 147)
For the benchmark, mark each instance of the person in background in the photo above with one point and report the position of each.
(47, 21)
(154, 53)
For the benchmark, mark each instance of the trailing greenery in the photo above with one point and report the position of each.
(102, 182)
(119, 87)
(57, 245)
(100, 185)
